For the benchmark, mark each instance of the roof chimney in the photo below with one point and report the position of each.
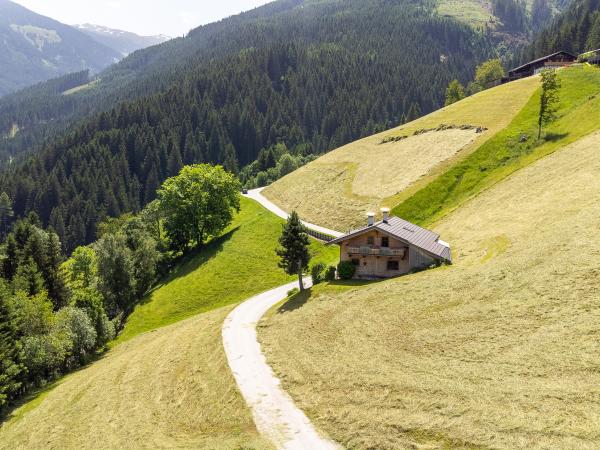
(386, 214)
(371, 219)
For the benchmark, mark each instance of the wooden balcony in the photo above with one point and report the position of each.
(377, 251)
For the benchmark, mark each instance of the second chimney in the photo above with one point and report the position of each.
(371, 219)
(386, 214)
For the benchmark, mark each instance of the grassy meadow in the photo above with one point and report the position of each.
(578, 115)
(340, 187)
(234, 267)
(167, 383)
(499, 350)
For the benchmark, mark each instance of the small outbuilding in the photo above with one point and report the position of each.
(553, 61)
(391, 247)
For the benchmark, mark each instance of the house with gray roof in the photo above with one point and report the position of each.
(391, 247)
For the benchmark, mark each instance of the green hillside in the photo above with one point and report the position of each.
(234, 267)
(498, 350)
(513, 148)
(174, 388)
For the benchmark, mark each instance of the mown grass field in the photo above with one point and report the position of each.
(578, 115)
(339, 188)
(167, 384)
(168, 389)
(500, 350)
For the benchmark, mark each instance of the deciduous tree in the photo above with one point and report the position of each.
(198, 204)
(549, 99)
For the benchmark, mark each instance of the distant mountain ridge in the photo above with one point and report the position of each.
(35, 48)
(124, 42)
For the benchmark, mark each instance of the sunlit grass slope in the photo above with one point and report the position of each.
(579, 114)
(339, 188)
(499, 350)
(168, 389)
(236, 266)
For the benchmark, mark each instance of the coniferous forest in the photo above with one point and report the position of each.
(322, 76)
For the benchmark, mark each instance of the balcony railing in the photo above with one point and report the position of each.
(377, 251)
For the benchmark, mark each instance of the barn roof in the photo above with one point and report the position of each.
(543, 58)
(408, 232)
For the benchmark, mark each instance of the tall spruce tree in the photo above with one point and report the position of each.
(294, 251)
(11, 368)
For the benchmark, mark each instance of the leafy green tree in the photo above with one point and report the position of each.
(11, 353)
(488, 72)
(455, 92)
(198, 204)
(115, 273)
(90, 301)
(75, 325)
(549, 99)
(81, 269)
(32, 313)
(294, 252)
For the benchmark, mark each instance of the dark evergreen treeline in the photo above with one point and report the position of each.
(576, 30)
(327, 76)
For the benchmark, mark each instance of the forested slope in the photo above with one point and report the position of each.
(312, 78)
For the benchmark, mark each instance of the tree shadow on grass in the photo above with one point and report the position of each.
(554, 137)
(192, 261)
(300, 299)
(295, 302)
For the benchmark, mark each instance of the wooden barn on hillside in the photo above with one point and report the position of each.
(553, 61)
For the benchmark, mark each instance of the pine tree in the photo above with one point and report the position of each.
(294, 252)
(11, 368)
(6, 213)
(55, 284)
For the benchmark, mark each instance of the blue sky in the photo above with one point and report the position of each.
(173, 17)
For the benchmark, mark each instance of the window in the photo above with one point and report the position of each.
(393, 265)
(385, 241)
(370, 240)
(356, 262)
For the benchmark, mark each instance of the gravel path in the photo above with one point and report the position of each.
(275, 414)
(256, 194)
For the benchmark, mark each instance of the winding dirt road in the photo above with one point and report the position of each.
(275, 414)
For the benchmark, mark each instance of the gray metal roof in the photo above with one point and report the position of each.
(543, 58)
(408, 232)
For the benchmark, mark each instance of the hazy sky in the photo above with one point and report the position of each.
(171, 17)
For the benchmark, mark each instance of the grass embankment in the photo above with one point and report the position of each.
(505, 153)
(169, 388)
(339, 188)
(498, 351)
(238, 265)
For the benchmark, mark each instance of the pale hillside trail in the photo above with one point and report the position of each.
(256, 195)
(275, 414)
